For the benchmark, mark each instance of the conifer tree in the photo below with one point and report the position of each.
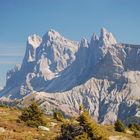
(58, 116)
(91, 128)
(32, 115)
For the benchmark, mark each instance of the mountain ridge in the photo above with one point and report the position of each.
(102, 74)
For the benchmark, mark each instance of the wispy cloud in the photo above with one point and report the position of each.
(11, 54)
(9, 63)
(12, 49)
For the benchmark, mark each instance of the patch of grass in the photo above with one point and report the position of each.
(19, 131)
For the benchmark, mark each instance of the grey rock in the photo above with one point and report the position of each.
(2, 130)
(102, 74)
(43, 128)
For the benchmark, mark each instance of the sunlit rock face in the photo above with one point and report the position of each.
(101, 74)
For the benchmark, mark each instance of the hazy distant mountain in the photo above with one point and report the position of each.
(102, 74)
(1, 88)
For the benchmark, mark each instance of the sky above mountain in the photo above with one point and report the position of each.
(73, 18)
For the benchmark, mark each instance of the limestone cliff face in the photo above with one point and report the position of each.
(102, 74)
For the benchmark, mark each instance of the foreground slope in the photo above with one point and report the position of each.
(19, 131)
(14, 130)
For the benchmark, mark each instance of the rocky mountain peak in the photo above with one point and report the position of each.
(103, 75)
(51, 35)
(34, 40)
(106, 38)
(94, 37)
(103, 32)
(84, 42)
(94, 40)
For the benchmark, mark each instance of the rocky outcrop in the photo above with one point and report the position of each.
(102, 74)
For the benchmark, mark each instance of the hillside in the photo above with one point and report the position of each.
(19, 131)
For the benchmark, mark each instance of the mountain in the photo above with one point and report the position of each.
(102, 74)
(1, 88)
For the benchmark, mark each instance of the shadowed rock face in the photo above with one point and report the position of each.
(101, 74)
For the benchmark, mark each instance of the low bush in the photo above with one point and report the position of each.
(83, 136)
(58, 116)
(119, 126)
(136, 133)
(70, 132)
(135, 128)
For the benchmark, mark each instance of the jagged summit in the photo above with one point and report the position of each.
(52, 35)
(94, 40)
(84, 42)
(102, 74)
(94, 37)
(106, 37)
(103, 32)
(34, 40)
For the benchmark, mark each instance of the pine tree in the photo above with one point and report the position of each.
(58, 116)
(91, 128)
(84, 129)
(32, 115)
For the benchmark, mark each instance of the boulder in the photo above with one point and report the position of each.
(2, 130)
(44, 128)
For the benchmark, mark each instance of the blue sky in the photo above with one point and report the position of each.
(72, 18)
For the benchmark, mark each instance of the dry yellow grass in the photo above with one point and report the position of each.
(19, 131)
(111, 132)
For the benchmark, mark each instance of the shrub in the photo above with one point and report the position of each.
(86, 129)
(119, 126)
(32, 115)
(70, 131)
(136, 133)
(135, 128)
(83, 136)
(58, 116)
(4, 105)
